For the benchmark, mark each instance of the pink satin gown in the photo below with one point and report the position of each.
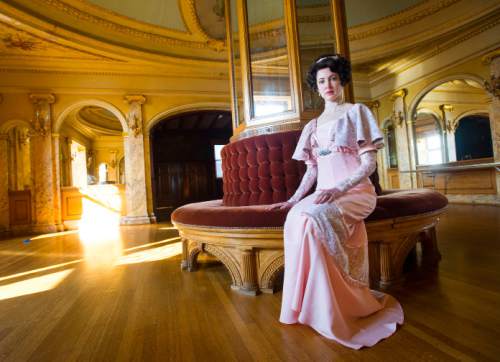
(326, 252)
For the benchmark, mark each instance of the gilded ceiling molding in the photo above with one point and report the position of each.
(23, 41)
(175, 38)
(395, 67)
(397, 20)
(188, 11)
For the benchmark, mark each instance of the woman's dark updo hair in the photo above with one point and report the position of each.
(337, 64)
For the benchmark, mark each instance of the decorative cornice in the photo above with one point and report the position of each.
(79, 14)
(400, 19)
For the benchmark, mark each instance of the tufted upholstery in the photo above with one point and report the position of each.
(260, 170)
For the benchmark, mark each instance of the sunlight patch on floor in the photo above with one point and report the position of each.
(154, 254)
(33, 285)
(154, 243)
(53, 235)
(99, 227)
(39, 270)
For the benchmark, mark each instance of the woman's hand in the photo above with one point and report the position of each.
(327, 196)
(281, 205)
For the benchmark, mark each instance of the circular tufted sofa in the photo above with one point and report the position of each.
(248, 239)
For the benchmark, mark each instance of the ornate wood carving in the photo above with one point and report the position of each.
(255, 255)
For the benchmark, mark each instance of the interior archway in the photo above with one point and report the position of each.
(184, 162)
(473, 137)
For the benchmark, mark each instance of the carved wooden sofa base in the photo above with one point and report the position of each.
(254, 255)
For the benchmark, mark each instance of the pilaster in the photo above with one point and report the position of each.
(56, 175)
(450, 153)
(41, 163)
(4, 185)
(136, 199)
(492, 86)
(404, 140)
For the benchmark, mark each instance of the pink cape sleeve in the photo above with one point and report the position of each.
(368, 134)
(303, 151)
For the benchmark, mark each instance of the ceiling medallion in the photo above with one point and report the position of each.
(16, 41)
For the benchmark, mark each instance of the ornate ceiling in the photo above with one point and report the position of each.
(187, 36)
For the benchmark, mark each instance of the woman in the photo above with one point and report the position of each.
(326, 246)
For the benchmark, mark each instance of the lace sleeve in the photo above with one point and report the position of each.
(307, 182)
(364, 170)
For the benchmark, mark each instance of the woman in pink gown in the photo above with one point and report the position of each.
(326, 246)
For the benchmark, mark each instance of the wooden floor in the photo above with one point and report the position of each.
(107, 298)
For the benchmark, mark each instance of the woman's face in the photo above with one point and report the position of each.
(328, 83)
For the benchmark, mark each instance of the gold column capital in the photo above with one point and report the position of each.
(48, 98)
(403, 92)
(135, 98)
(42, 119)
(134, 115)
(373, 104)
(488, 57)
(4, 137)
(446, 107)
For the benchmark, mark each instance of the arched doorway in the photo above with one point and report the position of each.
(473, 137)
(434, 112)
(90, 145)
(16, 181)
(185, 152)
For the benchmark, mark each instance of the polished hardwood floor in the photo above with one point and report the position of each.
(105, 297)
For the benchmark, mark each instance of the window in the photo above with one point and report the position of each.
(218, 160)
(103, 173)
(78, 165)
(429, 149)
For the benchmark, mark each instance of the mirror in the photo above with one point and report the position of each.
(269, 62)
(316, 37)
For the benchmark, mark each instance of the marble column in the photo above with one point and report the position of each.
(404, 142)
(493, 88)
(42, 191)
(449, 151)
(135, 187)
(56, 176)
(24, 144)
(4, 185)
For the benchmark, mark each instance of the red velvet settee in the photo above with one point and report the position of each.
(248, 238)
